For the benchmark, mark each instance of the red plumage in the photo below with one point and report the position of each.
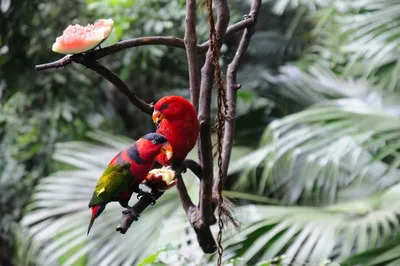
(177, 121)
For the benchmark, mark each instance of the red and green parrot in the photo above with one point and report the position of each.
(126, 171)
(177, 121)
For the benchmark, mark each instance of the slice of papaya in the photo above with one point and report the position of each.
(77, 39)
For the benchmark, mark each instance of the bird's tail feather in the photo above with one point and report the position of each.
(90, 225)
(96, 211)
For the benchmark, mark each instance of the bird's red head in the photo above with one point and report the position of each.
(150, 145)
(172, 108)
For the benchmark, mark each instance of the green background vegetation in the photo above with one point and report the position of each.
(316, 162)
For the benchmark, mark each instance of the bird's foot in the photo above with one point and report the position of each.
(150, 195)
(247, 16)
(132, 211)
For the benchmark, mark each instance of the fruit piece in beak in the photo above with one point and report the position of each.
(160, 179)
(167, 150)
(157, 117)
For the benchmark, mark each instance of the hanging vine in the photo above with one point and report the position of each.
(220, 119)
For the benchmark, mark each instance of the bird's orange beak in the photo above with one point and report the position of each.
(167, 150)
(157, 117)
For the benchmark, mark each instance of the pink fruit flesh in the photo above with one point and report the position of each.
(78, 39)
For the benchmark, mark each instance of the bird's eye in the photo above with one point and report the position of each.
(154, 141)
(164, 106)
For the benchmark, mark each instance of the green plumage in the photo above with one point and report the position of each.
(114, 181)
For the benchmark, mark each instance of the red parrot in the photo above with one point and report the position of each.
(177, 121)
(126, 171)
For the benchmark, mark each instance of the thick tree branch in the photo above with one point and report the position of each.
(145, 201)
(88, 62)
(186, 201)
(205, 144)
(191, 52)
(204, 236)
(232, 87)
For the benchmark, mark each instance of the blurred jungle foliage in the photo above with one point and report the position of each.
(317, 148)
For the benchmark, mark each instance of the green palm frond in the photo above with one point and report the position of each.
(313, 234)
(326, 149)
(388, 255)
(355, 38)
(373, 40)
(319, 84)
(58, 216)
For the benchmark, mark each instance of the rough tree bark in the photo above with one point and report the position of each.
(202, 216)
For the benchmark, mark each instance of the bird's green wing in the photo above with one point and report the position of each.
(113, 182)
